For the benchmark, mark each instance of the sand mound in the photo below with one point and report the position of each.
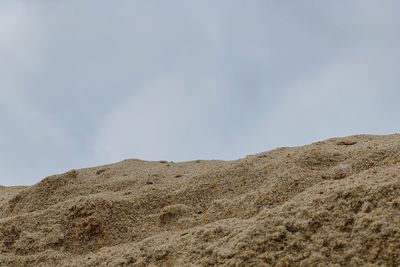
(332, 203)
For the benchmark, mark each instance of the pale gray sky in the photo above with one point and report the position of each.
(84, 83)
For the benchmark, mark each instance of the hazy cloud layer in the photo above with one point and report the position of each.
(89, 82)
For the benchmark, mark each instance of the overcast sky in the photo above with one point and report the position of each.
(84, 83)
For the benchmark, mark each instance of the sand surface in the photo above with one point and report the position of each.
(331, 203)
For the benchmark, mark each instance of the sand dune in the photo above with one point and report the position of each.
(331, 203)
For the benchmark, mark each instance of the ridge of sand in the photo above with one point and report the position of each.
(331, 203)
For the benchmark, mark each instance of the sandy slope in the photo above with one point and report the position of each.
(6, 193)
(332, 202)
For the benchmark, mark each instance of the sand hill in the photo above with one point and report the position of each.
(331, 203)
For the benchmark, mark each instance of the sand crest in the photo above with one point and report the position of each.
(331, 203)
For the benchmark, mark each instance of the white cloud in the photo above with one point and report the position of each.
(168, 118)
(178, 81)
(344, 97)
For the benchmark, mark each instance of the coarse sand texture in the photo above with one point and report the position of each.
(331, 203)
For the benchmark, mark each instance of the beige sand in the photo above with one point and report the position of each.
(332, 203)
